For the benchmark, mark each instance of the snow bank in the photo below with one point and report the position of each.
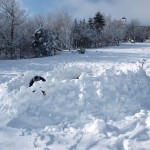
(75, 95)
(99, 100)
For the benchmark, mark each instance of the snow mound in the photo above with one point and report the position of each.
(75, 96)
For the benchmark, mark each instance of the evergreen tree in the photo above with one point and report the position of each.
(39, 38)
(90, 23)
(51, 43)
(99, 21)
(84, 34)
(91, 32)
(44, 42)
(75, 34)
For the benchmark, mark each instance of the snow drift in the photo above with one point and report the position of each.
(75, 96)
(99, 100)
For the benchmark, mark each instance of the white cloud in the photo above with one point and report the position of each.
(131, 9)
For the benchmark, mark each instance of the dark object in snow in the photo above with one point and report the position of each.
(36, 78)
(78, 77)
(81, 51)
(44, 93)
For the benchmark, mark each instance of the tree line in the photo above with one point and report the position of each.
(22, 36)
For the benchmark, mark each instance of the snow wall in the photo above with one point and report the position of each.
(75, 95)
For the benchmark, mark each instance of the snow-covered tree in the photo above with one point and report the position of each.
(107, 32)
(114, 31)
(13, 19)
(118, 31)
(39, 40)
(91, 32)
(136, 32)
(44, 42)
(51, 42)
(75, 34)
(62, 25)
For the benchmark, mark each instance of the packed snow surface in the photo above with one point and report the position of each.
(99, 100)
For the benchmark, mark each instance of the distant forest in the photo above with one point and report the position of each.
(22, 36)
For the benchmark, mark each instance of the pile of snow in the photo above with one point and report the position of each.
(75, 96)
(91, 104)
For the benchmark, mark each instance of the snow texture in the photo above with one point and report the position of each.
(99, 100)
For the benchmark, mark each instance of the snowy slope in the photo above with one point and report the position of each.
(96, 101)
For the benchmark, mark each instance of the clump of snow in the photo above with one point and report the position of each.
(96, 126)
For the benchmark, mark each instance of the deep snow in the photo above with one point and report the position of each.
(96, 101)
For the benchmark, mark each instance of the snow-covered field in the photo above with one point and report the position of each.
(96, 101)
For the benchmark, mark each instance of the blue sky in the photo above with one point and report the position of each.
(131, 9)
